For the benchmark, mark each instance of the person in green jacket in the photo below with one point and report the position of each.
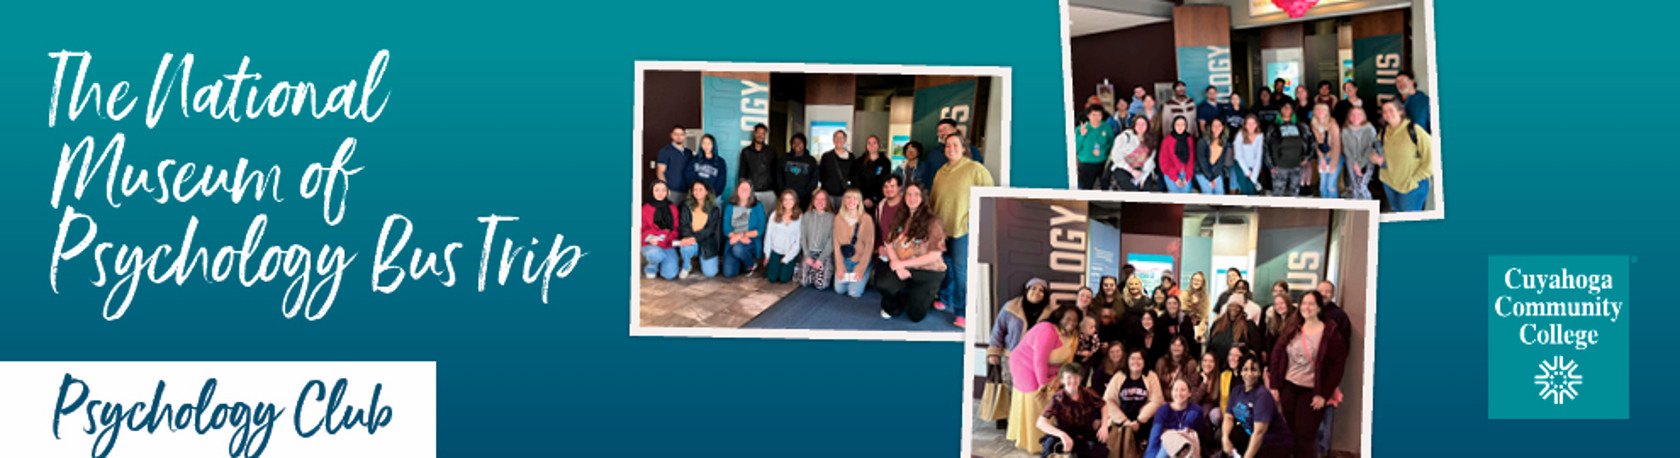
(1091, 149)
(1407, 159)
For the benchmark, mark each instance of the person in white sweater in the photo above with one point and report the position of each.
(781, 238)
(1250, 147)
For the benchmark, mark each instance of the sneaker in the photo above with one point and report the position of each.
(649, 275)
(937, 305)
(885, 316)
(684, 274)
(961, 323)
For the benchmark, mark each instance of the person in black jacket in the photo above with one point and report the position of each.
(798, 171)
(758, 165)
(837, 166)
(701, 227)
(872, 172)
(1289, 147)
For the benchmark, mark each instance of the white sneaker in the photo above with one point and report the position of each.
(649, 275)
(885, 316)
(684, 274)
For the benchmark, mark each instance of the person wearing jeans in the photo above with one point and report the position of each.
(854, 245)
(1406, 160)
(1213, 159)
(1359, 143)
(950, 204)
(660, 220)
(1329, 139)
(745, 222)
(701, 230)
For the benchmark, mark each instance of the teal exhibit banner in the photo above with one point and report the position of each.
(1295, 255)
(1558, 337)
(1103, 257)
(1201, 67)
(1377, 61)
(732, 107)
(953, 101)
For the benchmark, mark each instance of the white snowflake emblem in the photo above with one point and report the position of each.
(1558, 379)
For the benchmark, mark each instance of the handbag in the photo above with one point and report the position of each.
(994, 402)
(850, 249)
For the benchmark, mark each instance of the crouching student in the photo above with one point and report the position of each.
(854, 245)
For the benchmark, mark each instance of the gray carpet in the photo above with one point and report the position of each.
(807, 308)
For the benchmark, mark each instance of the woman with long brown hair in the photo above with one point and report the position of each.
(1196, 301)
(1307, 365)
(914, 259)
(1232, 327)
(781, 238)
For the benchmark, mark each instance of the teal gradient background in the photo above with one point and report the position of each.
(525, 109)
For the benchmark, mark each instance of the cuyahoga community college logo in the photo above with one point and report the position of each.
(1558, 379)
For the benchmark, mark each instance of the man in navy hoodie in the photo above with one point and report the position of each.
(673, 164)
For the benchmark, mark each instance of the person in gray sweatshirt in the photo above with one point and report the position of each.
(816, 241)
(1359, 142)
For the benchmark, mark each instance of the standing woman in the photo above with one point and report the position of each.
(1196, 301)
(1254, 426)
(1249, 307)
(816, 242)
(853, 238)
(745, 230)
(911, 171)
(1032, 365)
(781, 239)
(1306, 367)
(1329, 138)
(1405, 160)
(1235, 114)
(1213, 159)
(1135, 299)
(1278, 316)
(660, 219)
(1169, 283)
(1177, 152)
(798, 170)
(701, 230)
(1131, 159)
(1178, 322)
(1359, 143)
(1017, 316)
(707, 165)
(1108, 297)
(1250, 148)
(872, 172)
(1091, 147)
(1131, 402)
(915, 257)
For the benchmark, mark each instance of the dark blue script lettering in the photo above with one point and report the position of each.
(252, 425)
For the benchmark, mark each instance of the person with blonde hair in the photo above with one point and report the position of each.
(853, 238)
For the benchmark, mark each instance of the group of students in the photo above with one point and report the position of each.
(1129, 373)
(1183, 146)
(835, 223)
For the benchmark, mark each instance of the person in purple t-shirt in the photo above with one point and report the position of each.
(1254, 428)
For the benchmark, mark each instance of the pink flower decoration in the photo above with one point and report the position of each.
(1295, 8)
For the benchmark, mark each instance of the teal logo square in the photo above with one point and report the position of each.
(1558, 337)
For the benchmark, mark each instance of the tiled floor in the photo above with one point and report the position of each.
(708, 302)
(989, 442)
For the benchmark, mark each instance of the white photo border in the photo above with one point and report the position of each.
(1005, 79)
(1370, 334)
(1435, 183)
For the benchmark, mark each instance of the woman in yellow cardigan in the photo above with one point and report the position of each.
(1407, 159)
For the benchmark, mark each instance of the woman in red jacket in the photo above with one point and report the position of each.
(1306, 367)
(660, 220)
(1177, 152)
